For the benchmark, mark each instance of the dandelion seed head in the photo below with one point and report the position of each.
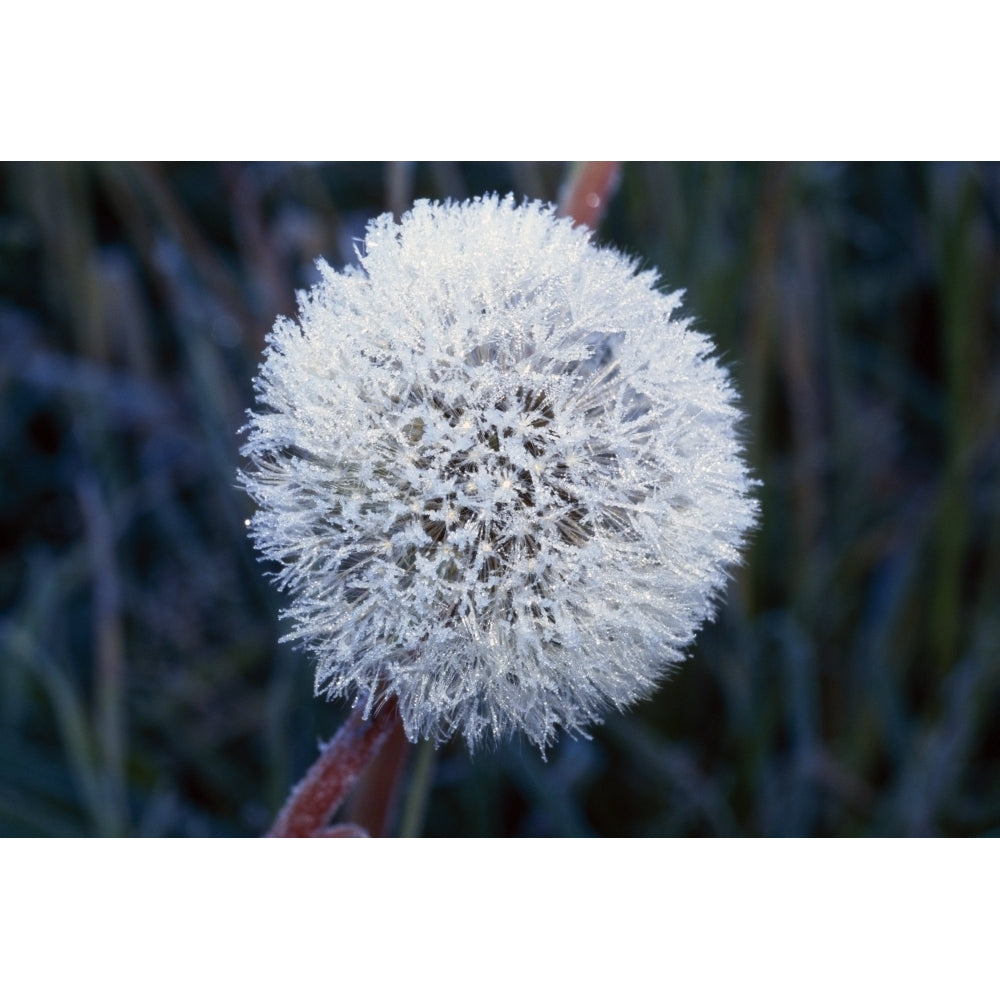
(502, 483)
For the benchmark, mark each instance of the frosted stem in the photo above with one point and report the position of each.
(373, 802)
(587, 191)
(314, 800)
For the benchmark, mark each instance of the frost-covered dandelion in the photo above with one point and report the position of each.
(502, 483)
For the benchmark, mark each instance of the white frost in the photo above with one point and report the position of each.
(502, 483)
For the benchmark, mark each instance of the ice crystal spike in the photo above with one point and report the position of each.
(501, 482)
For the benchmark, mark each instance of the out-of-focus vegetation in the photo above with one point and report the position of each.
(851, 684)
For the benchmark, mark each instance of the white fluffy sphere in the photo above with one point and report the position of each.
(503, 484)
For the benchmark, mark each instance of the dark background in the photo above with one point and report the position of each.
(851, 685)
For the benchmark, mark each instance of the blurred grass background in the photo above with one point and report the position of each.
(851, 685)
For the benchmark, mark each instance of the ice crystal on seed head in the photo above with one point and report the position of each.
(502, 483)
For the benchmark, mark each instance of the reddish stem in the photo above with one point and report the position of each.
(589, 188)
(316, 797)
(373, 803)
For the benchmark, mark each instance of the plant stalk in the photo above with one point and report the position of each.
(315, 799)
(587, 191)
